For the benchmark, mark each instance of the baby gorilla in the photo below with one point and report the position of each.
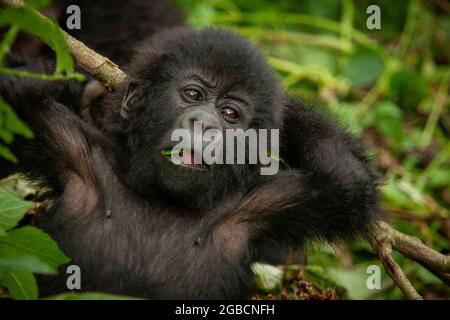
(139, 225)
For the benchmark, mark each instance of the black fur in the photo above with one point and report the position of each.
(133, 231)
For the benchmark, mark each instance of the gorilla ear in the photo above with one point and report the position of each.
(134, 94)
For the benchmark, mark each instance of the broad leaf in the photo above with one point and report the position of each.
(27, 263)
(21, 285)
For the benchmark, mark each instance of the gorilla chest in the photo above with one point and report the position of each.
(149, 251)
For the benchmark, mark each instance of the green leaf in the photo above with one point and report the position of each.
(388, 121)
(202, 16)
(353, 280)
(21, 285)
(6, 136)
(12, 210)
(312, 56)
(37, 4)
(7, 154)
(28, 20)
(267, 277)
(322, 279)
(439, 178)
(32, 241)
(363, 68)
(408, 89)
(89, 296)
(27, 263)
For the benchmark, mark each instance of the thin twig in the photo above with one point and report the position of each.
(382, 243)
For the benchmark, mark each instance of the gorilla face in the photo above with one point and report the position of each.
(188, 81)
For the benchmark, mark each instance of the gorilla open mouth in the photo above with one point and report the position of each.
(186, 158)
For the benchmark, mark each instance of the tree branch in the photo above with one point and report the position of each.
(385, 238)
(99, 66)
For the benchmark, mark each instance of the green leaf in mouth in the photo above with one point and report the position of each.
(169, 152)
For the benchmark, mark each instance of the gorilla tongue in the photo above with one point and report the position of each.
(187, 158)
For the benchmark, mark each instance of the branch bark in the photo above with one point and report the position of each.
(99, 66)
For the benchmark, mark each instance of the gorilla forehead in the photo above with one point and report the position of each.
(221, 55)
(219, 51)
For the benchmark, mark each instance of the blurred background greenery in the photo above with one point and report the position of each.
(391, 86)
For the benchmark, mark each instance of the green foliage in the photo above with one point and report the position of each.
(28, 20)
(21, 284)
(268, 277)
(391, 86)
(10, 125)
(28, 250)
(89, 296)
(363, 67)
(322, 278)
(388, 121)
(408, 89)
(12, 211)
(32, 241)
(38, 4)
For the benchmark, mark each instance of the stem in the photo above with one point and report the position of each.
(408, 31)
(7, 42)
(348, 15)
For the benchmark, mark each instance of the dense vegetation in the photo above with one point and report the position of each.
(390, 85)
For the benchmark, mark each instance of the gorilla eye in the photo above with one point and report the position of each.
(193, 94)
(229, 114)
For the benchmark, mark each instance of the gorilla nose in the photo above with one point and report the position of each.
(207, 119)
